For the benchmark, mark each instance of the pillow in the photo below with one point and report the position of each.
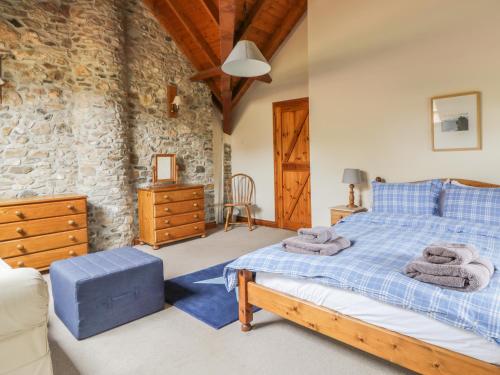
(481, 205)
(419, 198)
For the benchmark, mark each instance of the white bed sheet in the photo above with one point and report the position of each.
(381, 314)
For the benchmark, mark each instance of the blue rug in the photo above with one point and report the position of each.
(202, 294)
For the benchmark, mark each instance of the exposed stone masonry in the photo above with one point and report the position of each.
(85, 107)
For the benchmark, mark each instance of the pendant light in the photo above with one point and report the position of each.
(246, 60)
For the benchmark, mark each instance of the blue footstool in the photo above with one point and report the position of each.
(100, 291)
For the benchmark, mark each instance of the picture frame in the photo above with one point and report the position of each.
(164, 168)
(456, 122)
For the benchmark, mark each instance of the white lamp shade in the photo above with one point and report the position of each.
(177, 100)
(2, 82)
(246, 60)
(352, 176)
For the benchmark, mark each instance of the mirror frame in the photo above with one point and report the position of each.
(173, 168)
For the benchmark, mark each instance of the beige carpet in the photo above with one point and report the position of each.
(172, 342)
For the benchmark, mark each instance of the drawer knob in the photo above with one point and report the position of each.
(20, 230)
(165, 197)
(72, 253)
(195, 193)
(20, 263)
(196, 216)
(167, 234)
(20, 247)
(71, 222)
(70, 207)
(71, 237)
(196, 228)
(167, 221)
(19, 214)
(195, 204)
(167, 209)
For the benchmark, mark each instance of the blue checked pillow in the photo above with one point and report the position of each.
(481, 205)
(420, 198)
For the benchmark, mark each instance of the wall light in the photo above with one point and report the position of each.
(173, 101)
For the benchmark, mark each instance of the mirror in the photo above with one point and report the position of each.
(164, 168)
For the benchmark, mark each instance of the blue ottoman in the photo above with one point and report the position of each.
(100, 291)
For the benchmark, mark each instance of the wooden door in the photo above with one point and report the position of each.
(291, 164)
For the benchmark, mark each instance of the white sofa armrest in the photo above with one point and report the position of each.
(24, 300)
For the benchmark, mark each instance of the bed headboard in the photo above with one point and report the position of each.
(460, 180)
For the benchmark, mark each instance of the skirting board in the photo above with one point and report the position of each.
(264, 223)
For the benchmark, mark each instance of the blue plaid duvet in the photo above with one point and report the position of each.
(382, 245)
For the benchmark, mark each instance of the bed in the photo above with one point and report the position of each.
(361, 298)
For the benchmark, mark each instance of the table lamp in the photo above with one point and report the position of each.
(351, 177)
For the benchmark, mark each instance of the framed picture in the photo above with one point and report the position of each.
(456, 122)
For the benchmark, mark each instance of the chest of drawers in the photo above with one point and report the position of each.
(35, 232)
(170, 213)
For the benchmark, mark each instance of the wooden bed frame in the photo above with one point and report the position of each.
(402, 350)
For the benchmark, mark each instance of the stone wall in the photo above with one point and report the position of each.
(84, 109)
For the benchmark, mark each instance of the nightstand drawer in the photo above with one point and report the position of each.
(336, 217)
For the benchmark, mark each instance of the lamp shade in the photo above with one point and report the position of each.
(177, 100)
(352, 176)
(246, 60)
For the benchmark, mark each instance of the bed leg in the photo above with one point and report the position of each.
(245, 309)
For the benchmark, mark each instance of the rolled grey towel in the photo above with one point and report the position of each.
(450, 253)
(469, 277)
(297, 245)
(317, 234)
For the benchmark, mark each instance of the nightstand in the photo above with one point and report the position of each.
(339, 212)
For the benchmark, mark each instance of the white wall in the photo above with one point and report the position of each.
(373, 66)
(252, 138)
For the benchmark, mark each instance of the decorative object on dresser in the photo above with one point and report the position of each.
(337, 213)
(456, 122)
(240, 195)
(352, 177)
(34, 232)
(164, 168)
(170, 213)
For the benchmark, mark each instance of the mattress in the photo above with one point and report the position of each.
(397, 319)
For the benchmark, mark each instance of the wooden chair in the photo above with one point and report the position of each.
(240, 195)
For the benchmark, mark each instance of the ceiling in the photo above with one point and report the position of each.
(207, 30)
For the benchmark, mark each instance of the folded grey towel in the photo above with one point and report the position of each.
(469, 277)
(450, 253)
(317, 234)
(296, 245)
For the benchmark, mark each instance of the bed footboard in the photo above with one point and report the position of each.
(403, 350)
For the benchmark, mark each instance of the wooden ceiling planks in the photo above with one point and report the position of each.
(206, 31)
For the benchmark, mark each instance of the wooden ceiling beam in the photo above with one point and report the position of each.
(227, 19)
(243, 30)
(211, 10)
(289, 21)
(174, 32)
(207, 74)
(203, 75)
(193, 32)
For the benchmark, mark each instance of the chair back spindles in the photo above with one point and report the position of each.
(242, 189)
